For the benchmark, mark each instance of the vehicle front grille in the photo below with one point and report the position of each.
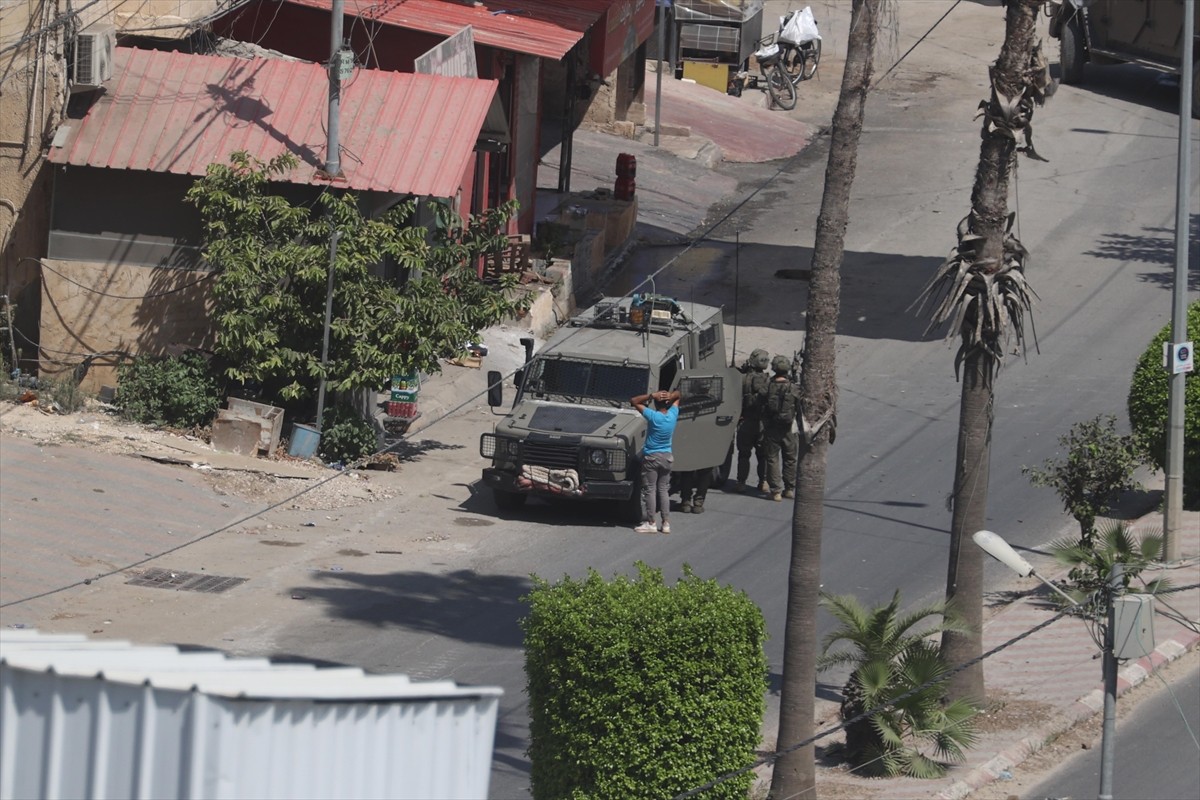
(561, 456)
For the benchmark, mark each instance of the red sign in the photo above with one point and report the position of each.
(626, 25)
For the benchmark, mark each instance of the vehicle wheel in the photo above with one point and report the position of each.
(722, 470)
(630, 509)
(792, 59)
(780, 87)
(1070, 51)
(812, 57)
(508, 501)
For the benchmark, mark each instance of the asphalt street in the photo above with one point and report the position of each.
(445, 600)
(1102, 261)
(1157, 750)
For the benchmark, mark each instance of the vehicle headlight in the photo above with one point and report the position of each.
(598, 458)
(510, 446)
(487, 445)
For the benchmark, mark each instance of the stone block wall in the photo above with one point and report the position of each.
(95, 314)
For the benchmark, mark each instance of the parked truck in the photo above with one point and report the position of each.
(1148, 32)
(572, 432)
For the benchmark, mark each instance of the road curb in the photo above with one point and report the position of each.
(1082, 709)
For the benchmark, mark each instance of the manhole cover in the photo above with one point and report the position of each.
(184, 581)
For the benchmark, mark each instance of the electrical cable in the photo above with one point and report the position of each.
(778, 753)
(785, 165)
(152, 296)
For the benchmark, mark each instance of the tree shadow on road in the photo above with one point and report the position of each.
(463, 605)
(1155, 249)
(767, 286)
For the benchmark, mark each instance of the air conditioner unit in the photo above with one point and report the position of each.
(94, 55)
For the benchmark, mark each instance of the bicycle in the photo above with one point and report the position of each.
(779, 82)
(800, 61)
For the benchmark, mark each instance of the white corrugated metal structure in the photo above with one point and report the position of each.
(95, 719)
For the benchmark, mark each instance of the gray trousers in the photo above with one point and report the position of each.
(656, 485)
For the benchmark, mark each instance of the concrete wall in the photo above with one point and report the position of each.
(31, 102)
(90, 309)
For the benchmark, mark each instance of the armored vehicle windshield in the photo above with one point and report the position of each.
(575, 381)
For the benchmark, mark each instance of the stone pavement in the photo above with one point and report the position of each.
(1051, 680)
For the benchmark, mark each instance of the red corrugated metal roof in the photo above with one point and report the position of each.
(542, 28)
(176, 112)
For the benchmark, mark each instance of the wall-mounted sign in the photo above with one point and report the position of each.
(453, 58)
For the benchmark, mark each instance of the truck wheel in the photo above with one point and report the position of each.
(630, 509)
(1070, 51)
(722, 470)
(508, 501)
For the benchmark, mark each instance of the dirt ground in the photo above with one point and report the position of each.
(271, 480)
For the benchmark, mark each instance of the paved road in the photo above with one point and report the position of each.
(1102, 261)
(1157, 753)
(1097, 219)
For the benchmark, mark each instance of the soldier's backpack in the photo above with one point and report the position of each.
(754, 392)
(781, 402)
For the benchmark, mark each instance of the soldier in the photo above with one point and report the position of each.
(750, 427)
(782, 408)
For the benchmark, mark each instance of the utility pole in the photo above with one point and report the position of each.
(1108, 735)
(333, 169)
(661, 9)
(1173, 501)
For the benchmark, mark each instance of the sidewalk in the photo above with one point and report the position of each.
(1048, 682)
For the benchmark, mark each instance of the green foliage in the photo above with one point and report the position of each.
(272, 259)
(1098, 467)
(345, 436)
(915, 735)
(1115, 543)
(642, 690)
(178, 392)
(1148, 407)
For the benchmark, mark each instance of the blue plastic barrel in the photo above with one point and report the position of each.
(305, 441)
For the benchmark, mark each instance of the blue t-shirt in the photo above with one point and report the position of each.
(660, 429)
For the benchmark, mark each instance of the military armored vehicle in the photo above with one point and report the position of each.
(1147, 32)
(572, 433)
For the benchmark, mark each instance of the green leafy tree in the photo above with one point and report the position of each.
(1098, 466)
(642, 690)
(889, 657)
(1148, 393)
(1115, 543)
(272, 259)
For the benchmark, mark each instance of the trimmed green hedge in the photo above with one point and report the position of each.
(642, 690)
(1148, 393)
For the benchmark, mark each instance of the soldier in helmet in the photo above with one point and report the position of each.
(782, 406)
(750, 427)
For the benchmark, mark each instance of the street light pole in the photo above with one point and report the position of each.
(1108, 736)
(1173, 498)
(1002, 551)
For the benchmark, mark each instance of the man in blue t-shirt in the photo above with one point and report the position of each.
(656, 457)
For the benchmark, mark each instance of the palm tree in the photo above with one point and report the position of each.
(794, 773)
(1113, 543)
(897, 668)
(981, 291)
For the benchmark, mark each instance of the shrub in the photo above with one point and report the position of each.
(637, 689)
(1098, 467)
(898, 669)
(1115, 543)
(180, 392)
(1148, 394)
(345, 436)
(61, 394)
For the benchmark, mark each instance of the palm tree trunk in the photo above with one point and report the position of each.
(964, 577)
(989, 220)
(794, 772)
